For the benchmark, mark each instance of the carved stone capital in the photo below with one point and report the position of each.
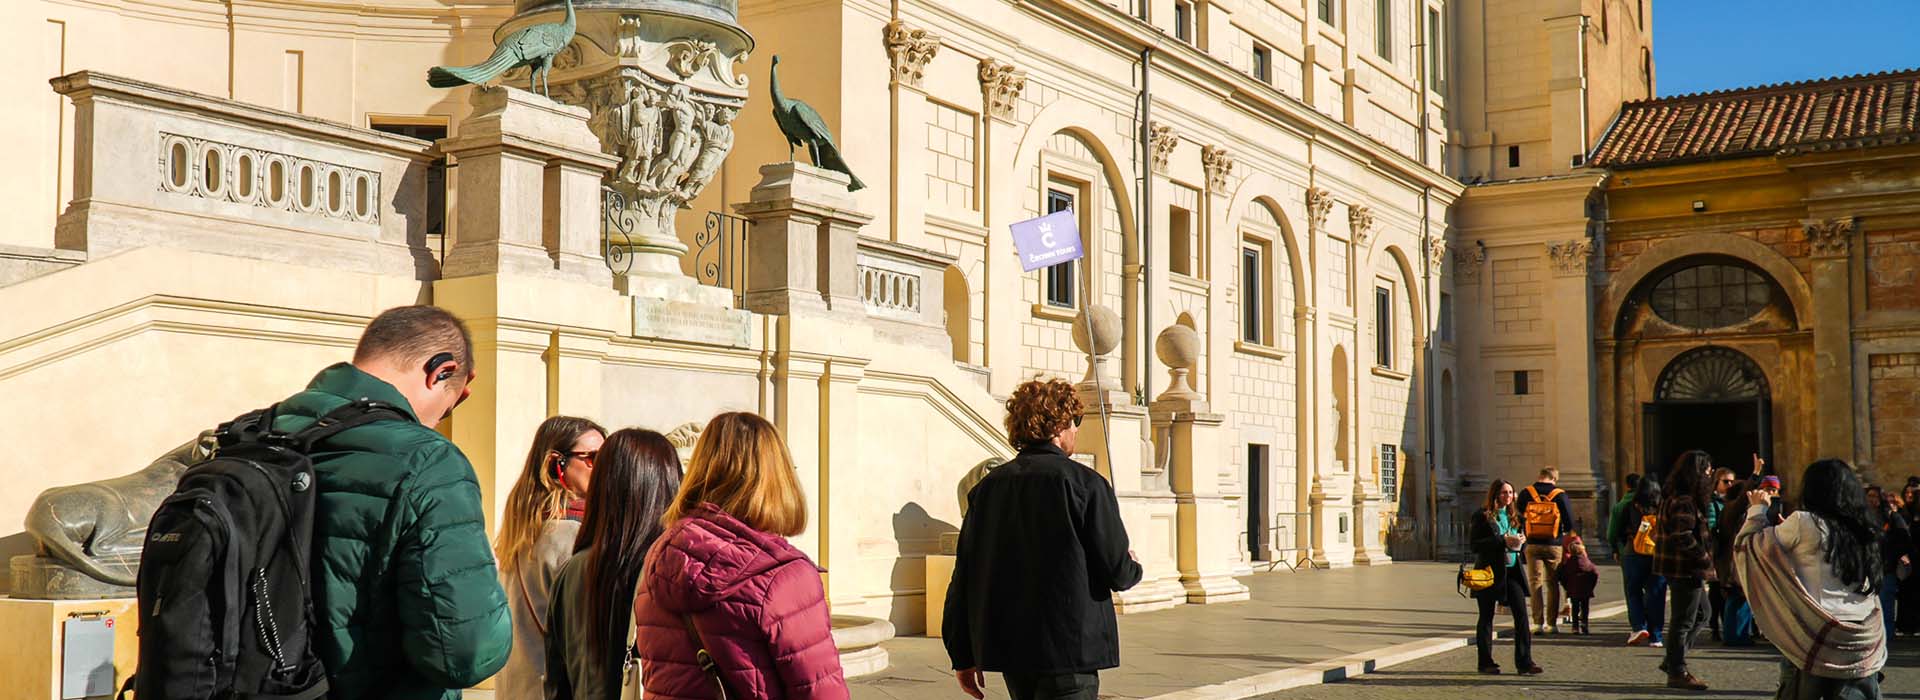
(1319, 205)
(1436, 253)
(910, 48)
(1831, 238)
(1218, 163)
(1571, 257)
(1001, 85)
(1163, 139)
(1360, 222)
(1467, 261)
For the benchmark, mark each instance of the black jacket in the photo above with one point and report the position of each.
(1561, 501)
(1490, 549)
(1041, 551)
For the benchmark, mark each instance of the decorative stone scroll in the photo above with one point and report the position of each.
(1571, 257)
(1467, 261)
(1360, 222)
(241, 175)
(1218, 163)
(1319, 205)
(910, 48)
(1831, 238)
(1163, 139)
(1000, 86)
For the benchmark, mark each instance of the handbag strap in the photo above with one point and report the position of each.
(539, 625)
(702, 658)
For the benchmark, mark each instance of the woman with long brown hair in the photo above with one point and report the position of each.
(634, 480)
(536, 537)
(724, 598)
(1496, 539)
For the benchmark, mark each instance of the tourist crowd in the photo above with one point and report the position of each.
(1700, 547)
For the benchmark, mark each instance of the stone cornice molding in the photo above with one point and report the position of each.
(1467, 262)
(1319, 205)
(1163, 139)
(910, 48)
(1831, 238)
(1218, 163)
(1360, 222)
(1000, 87)
(1571, 257)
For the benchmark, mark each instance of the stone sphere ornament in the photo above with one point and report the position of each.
(1107, 331)
(1179, 349)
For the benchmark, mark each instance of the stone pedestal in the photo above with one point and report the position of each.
(1189, 437)
(31, 657)
(804, 241)
(1369, 548)
(1331, 506)
(530, 173)
(939, 577)
(43, 578)
(1148, 509)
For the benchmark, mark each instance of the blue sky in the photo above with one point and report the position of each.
(1701, 45)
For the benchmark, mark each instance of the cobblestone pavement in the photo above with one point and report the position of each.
(1598, 667)
(1293, 622)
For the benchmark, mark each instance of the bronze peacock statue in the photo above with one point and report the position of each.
(802, 125)
(534, 46)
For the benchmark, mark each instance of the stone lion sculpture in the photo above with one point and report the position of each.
(98, 528)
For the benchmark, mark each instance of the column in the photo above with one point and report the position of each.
(1569, 313)
(910, 49)
(1190, 434)
(1000, 86)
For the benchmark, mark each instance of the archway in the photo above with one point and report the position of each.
(959, 314)
(1711, 398)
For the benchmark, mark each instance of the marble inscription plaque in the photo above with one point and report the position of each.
(694, 323)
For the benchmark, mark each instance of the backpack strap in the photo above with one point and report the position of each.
(342, 419)
(1551, 495)
(1533, 493)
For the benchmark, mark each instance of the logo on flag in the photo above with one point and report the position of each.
(1048, 240)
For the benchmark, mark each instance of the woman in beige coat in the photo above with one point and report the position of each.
(536, 536)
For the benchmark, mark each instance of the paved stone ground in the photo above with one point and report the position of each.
(1598, 667)
(1293, 620)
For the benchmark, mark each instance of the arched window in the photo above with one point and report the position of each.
(1711, 295)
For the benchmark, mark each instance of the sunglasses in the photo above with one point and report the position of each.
(586, 457)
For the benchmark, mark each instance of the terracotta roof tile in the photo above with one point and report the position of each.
(1814, 115)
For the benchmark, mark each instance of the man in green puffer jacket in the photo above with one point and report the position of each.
(407, 601)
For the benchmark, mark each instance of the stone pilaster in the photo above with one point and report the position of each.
(1000, 87)
(1162, 139)
(1218, 164)
(1360, 224)
(1831, 241)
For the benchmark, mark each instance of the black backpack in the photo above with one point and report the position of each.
(225, 609)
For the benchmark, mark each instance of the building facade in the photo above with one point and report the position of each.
(1269, 193)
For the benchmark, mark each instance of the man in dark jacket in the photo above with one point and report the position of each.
(1042, 549)
(1543, 545)
(407, 601)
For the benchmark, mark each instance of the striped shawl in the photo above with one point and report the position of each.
(1807, 635)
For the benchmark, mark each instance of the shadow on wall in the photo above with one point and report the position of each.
(918, 535)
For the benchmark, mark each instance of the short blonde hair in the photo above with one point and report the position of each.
(1550, 473)
(741, 466)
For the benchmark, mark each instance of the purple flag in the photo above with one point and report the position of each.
(1048, 240)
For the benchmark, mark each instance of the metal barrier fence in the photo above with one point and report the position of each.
(1285, 539)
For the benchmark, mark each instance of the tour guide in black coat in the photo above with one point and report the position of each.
(1041, 550)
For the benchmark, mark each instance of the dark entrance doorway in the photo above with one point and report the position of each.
(1258, 504)
(1710, 398)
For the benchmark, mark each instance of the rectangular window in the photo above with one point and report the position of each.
(1059, 279)
(1390, 472)
(1183, 21)
(1513, 156)
(1253, 316)
(1180, 241)
(1520, 387)
(1436, 38)
(1263, 63)
(1326, 11)
(1446, 317)
(1383, 28)
(1383, 326)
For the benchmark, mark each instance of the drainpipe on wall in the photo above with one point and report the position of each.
(1145, 219)
(1584, 105)
(1432, 360)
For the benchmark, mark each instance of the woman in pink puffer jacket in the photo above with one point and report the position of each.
(724, 566)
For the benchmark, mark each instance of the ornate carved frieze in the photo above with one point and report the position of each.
(1360, 222)
(1319, 205)
(1163, 140)
(242, 175)
(1571, 257)
(670, 141)
(1831, 237)
(1218, 163)
(1001, 85)
(910, 48)
(1467, 261)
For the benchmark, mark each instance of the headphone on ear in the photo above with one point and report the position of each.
(436, 361)
(560, 468)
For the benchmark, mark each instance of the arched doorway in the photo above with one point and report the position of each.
(1711, 398)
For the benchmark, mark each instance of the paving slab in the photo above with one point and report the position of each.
(1307, 625)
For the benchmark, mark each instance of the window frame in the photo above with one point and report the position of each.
(1262, 62)
(1383, 29)
(1390, 472)
(1256, 311)
(1513, 155)
(1445, 322)
(1328, 12)
(1184, 13)
(1384, 338)
(1436, 50)
(1050, 277)
(1522, 385)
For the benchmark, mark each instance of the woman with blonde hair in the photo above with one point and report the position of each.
(536, 537)
(725, 602)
